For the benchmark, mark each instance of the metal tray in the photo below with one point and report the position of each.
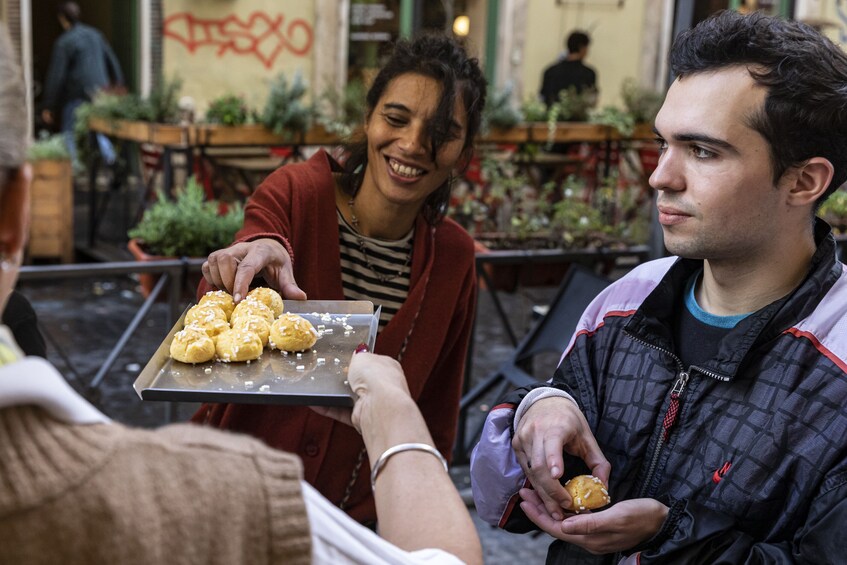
(317, 377)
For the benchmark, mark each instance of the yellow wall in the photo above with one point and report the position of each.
(226, 55)
(616, 35)
(838, 16)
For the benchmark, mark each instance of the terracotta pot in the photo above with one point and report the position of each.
(149, 280)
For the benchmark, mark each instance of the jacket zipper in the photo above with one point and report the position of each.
(668, 423)
(671, 414)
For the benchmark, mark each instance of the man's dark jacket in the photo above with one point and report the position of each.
(564, 75)
(753, 468)
(81, 64)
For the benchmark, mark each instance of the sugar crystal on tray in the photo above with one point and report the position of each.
(321, 361)
(264, 388)
(301, 367)
(207, 370)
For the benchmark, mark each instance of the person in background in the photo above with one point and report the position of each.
(707, 389)
(373, 230)
(82, 63)
(78, 488)
(570, 72)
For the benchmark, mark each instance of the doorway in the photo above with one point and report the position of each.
(117, 20)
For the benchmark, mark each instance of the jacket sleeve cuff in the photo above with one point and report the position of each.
(534, 396)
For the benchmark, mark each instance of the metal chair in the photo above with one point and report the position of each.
(551, 333)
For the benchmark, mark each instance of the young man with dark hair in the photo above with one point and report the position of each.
(708, 389)
(570, 72)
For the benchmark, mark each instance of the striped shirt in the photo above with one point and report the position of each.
(388, 258)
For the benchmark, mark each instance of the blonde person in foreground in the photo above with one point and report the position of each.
(79, 488)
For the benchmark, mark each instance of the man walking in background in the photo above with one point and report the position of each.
(81, 64)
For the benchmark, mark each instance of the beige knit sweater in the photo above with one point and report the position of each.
(105, 493)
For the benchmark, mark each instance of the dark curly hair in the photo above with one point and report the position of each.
(445, 60)
(805, 111)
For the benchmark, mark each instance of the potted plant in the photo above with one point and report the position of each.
(52, 202)
(186, 226)
(228, 110)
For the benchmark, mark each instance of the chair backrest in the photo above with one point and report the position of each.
(554, 330)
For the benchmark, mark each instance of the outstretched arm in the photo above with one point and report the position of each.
(416, 503)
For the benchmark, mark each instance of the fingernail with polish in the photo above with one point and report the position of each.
(362, 348)
(236, 298)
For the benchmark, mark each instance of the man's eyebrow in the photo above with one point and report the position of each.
(701, 138)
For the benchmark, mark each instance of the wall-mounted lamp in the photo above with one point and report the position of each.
(461, 26)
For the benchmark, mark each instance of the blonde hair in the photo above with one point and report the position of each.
(13, 125)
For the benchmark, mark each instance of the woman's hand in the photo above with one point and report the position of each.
(236, 266)
(380, 385)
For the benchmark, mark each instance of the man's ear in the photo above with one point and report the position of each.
(14, 211)
(810, 181)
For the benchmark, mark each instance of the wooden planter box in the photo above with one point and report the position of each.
(566, 132)
(51, 232)
(141, 132)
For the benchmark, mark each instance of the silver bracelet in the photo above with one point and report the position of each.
(380, 463)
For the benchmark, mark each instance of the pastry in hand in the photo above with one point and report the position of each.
(291, 332)
(204, 313)
(220, 298)
(259, 326)
(192, 345)
(238, 345)
(252, 307)
(587, 493)
(269, 297)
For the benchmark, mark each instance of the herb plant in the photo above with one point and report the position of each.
(187, 226)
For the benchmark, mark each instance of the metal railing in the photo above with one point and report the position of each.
(174, 273)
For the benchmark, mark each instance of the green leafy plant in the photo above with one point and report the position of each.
(48, 148)
(534, 110)
(642, 103)
(613, 117)
(571, 106)
(228, 110)
(834, 211)
(285, 113)
(341, 112)
(163, 102)
(188, 225)
(499, 110)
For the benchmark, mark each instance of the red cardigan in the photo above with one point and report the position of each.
(296, 206)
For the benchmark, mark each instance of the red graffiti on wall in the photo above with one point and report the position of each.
(261, 35)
